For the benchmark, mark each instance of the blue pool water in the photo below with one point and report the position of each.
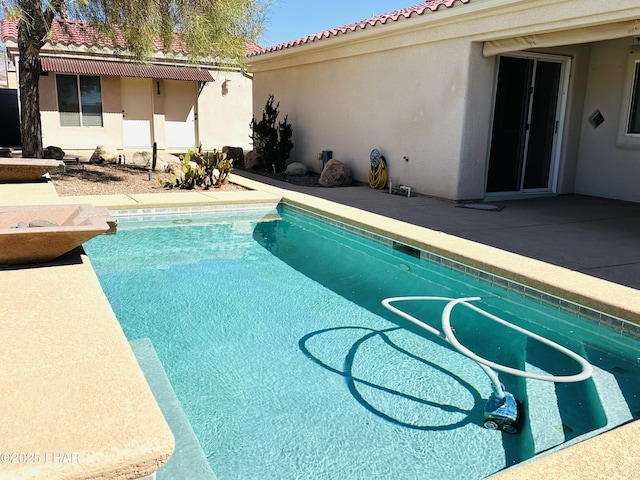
(270, 329)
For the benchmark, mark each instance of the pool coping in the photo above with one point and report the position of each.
(599, 456)
(75, 402)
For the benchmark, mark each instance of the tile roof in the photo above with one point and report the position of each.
(78, 33)
(420, 9)
(124, 69)
(8, 30)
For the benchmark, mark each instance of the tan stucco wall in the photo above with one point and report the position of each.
(81, 137)
(225, 108)
(158, 100)
(174, 104)
(476, 126)
(606, 167)
(12, 80)
(422, 88)
(223, 113)
(389, 100)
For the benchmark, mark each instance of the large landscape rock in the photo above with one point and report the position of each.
(253, 160)
(335, 174)
(142, 158)
(53, 152)
(296, 169)
(236, 154)
(103, 154)
(166, 163)
(173, 167)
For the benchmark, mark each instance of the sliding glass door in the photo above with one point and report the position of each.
(526, 121)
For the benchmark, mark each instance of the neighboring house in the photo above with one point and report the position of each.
(91, 95)
(471, 99)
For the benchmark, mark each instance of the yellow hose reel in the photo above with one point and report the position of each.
(377, 170)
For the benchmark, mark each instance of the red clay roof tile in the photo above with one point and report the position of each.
(420, 9)
(78, 33)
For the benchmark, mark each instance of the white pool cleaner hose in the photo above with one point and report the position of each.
(448, 335)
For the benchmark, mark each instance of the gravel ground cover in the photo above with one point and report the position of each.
(110, 178)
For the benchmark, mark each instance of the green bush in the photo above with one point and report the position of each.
(272, 140)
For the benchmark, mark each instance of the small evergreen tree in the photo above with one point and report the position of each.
(272, 140)
(285, 144)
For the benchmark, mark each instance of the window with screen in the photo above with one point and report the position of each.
(79, 100)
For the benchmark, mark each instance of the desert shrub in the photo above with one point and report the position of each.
(271, 139)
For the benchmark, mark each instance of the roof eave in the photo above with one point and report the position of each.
(372, 39)
(389, 24)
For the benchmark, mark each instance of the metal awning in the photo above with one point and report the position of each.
(124, 69)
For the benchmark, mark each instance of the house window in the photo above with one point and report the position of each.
(634, 114)
(79, 100)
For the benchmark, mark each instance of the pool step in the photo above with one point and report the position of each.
(543, 412)
(616, 378)
(188, 459)
(615, 407)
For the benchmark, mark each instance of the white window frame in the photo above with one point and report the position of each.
(79, 90)
(625, 138)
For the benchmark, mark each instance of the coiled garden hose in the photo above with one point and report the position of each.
(377, 171)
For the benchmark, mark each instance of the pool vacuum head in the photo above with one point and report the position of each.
(501, 413)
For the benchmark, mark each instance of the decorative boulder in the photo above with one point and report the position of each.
(165, 162)
(174, 167)
(296, 169)
(104, 154)
(335, 174)
(53, 152)
(236, 154)
(253, 160)
(141, 158)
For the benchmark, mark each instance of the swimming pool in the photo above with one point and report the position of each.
(271, 330)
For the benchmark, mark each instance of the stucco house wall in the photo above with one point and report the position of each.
(79, 138)
(225, 108)
(223, 114)
(176, 114)
(352, 105)
(422, 88)
(609, 164)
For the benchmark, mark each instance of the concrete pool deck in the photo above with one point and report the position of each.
(66, 366)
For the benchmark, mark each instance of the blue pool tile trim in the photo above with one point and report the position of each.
(196, 209)
(594, 316)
